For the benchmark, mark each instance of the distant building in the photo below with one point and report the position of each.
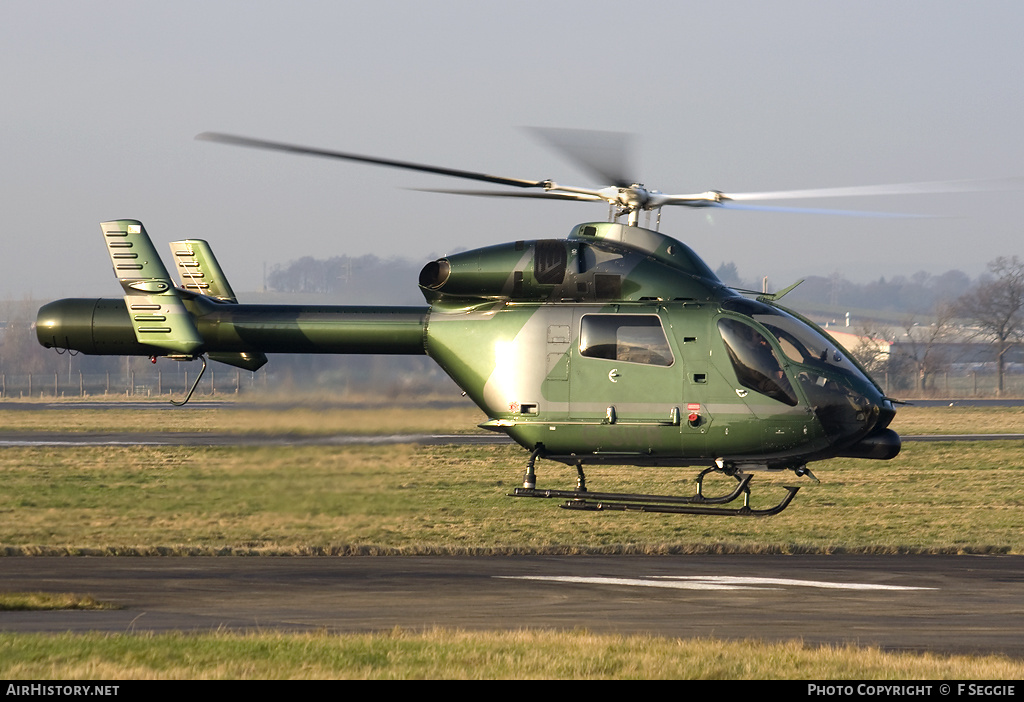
(859, 344)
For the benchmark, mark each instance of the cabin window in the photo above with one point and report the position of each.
(756, 365)
(630, 338)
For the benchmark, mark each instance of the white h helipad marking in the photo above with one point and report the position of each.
(711, 582)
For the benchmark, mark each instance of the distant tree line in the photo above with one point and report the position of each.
(360, 279)
(916, 294)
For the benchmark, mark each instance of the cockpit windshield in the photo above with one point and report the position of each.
(804, 345)
(800, 342)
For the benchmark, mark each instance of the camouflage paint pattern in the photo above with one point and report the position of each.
(616, 344)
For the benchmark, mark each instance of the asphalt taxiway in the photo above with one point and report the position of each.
(953, 604)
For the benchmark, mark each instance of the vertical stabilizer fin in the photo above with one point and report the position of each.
(158, 316)
(199, 271)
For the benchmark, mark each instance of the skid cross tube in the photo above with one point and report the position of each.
(699, 498)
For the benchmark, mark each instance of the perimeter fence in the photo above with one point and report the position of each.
(130, 384)
(970, 384)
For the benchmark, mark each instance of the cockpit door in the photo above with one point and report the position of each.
(760, 380)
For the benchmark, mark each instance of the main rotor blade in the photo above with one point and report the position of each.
(604, 155)
(498, 193)
(925, 188)
(311, 151)
(726, 205)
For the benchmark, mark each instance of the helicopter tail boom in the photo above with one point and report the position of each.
(203, 316)
(106, 327)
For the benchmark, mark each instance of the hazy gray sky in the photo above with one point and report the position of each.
(100, 101)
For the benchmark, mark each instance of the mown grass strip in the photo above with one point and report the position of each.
(45, 601)
(452, 654)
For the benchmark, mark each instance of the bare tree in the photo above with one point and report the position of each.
(871, 350)
(919, 349)
(995, 306)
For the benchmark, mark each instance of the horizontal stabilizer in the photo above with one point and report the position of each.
(158, 316)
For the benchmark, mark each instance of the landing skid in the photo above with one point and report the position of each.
(583, 499)
(624, 504)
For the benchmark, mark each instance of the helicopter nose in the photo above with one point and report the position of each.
(846, 415)
(858, 426)
(880, 444)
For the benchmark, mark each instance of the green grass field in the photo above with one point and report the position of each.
(934, 498)
(448, 654)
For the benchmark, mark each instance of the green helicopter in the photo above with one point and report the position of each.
(615, 345)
